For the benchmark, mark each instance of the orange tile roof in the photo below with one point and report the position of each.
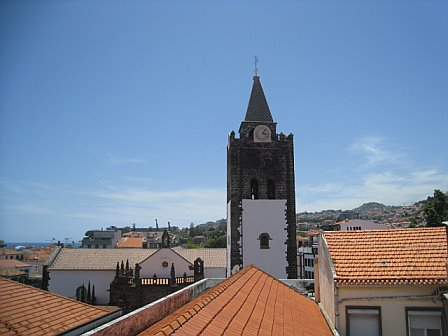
(26, 310)
(401, 256)
(12, 263)
(249, 303)
(130, 242)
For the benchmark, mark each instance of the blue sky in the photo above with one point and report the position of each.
(116, 112)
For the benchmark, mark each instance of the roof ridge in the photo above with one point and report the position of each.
(200, 303)
(243, 288)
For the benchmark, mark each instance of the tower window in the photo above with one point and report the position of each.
(264, 239)
(254, 189)
(271, 189)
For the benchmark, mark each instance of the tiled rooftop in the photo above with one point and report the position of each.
(97, 259)
(249, 303)
(26, 310)
(213, 257)
(106, 259)
(130, 242)
(12, 263)
(8, 252)
(402, 256)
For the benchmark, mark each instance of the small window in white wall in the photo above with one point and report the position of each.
(363, 321)
(424, 322)
(264, 239)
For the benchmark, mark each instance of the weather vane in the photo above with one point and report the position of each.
(255, 63)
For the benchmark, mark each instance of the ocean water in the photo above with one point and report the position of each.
(35, 244)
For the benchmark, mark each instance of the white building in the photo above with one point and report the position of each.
(73, 268)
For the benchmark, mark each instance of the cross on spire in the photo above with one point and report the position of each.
(255, 64)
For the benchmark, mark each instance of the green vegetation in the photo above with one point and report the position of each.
(218, 241)
(436, 209)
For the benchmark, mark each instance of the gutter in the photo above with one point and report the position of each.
(78, 330)
(433, 297)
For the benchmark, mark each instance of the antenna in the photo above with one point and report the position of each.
(255, 64)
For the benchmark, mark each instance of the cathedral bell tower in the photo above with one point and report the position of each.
(261, 216)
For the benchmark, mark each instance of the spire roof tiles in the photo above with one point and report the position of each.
(258, 108)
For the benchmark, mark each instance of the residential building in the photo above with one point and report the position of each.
(347, 215)
(306, 252)
(98, 239)
(6, 253)
(358, 224)
(383, 282)
(25, 310)
(261, 216)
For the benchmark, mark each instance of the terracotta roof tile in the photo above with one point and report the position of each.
(26, 310)
(213, 257)
(106, 259)
(131, 242)
(97, 259)
(402, 256)
(249, 303)
(12, 263)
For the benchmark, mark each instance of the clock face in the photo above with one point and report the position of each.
(262, 133)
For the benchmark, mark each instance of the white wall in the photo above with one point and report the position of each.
(65, 283)
(364, 224)
(154, 265)
(393, 301)
(260, 216)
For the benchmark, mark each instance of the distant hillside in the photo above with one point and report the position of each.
(372, 207)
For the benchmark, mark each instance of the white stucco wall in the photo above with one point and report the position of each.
(393, 301)
(364, 224)
(154, 265)
(65, 283)
(265, 216)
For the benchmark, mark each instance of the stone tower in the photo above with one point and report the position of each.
(261, 216)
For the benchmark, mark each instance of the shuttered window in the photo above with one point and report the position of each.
(424, 322)
(364, 321)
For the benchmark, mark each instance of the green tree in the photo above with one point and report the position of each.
(219, 241)
(436, 209)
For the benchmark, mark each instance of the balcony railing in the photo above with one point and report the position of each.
(163, 281)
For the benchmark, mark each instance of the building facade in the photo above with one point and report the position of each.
(261, 219)
(383, 282)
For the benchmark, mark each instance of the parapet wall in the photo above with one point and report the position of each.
(142, 318)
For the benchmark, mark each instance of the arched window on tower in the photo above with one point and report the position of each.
(271, 189)
(264, 239)
(254, 189)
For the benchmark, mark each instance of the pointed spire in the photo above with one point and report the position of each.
(258, 109)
